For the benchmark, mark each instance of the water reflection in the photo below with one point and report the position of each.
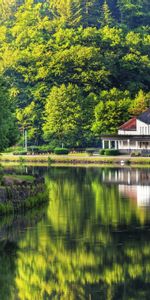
(93, 242)
(133, 184)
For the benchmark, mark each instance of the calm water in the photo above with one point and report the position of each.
(91, 241)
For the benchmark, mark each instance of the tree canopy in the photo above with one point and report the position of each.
(8, 131)
(92, 46)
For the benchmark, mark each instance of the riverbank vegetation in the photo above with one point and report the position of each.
(73, 69)
(20, 191)
(75, 159)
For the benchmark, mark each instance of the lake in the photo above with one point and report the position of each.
(90, 241)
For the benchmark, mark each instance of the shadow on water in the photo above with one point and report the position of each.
(92, 241)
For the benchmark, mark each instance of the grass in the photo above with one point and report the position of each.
(80, 158)
(27, 178)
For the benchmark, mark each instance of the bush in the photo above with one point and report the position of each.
(135, 154)
(60, 151)
(102, 152)
(33, 149)
(46, 149)
(20, 153)
(111, 152)
(14, 149)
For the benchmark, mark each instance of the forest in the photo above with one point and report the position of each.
(71, 70)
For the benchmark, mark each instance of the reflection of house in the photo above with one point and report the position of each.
(133, 183)
(138, 193)
(132, 135)
(126, 176)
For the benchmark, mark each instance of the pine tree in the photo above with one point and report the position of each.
(67, 13)
(90, 12)
(106, 16)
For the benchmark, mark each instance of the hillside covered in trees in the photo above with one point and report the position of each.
(74, 68)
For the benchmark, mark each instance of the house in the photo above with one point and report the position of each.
(134, 135)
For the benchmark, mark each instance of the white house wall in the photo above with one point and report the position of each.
(127, 132)
(142, 129)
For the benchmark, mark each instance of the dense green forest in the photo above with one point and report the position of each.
(73, 68)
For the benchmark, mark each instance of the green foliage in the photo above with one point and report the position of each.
(35, 201)
(111, 152)
(135, 153)
(20, 152)
(102, 152)
(60, 151)
(140, 103)
(134, 13)
(106, 17)
(6, 208)
(58, 56)
(111, 111)
(7, 125)
(68, 115)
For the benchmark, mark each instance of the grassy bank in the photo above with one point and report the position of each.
(74, 159)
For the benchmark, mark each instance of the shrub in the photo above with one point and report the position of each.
(102, 152)
(33, 149)
(111, 152)
(14, 149)
(136, 154)
(20, 153)
(46, 149)
(60, 151)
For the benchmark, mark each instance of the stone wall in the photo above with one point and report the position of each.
(16, 194)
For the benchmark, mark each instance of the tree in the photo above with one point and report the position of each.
(68, 115)
(140, 103)
(47, 43)
(134, 13)
(7, 121)
(106, 16)
(111, 111)
(67, 13)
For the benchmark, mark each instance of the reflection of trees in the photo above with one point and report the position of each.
(7, 270)
(11, 230)
(84, 248)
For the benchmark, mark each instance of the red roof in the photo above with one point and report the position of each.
(129, 125)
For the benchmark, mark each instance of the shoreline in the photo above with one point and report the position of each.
(75, 159)
(21, 193)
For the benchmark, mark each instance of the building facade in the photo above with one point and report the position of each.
(134, 135)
